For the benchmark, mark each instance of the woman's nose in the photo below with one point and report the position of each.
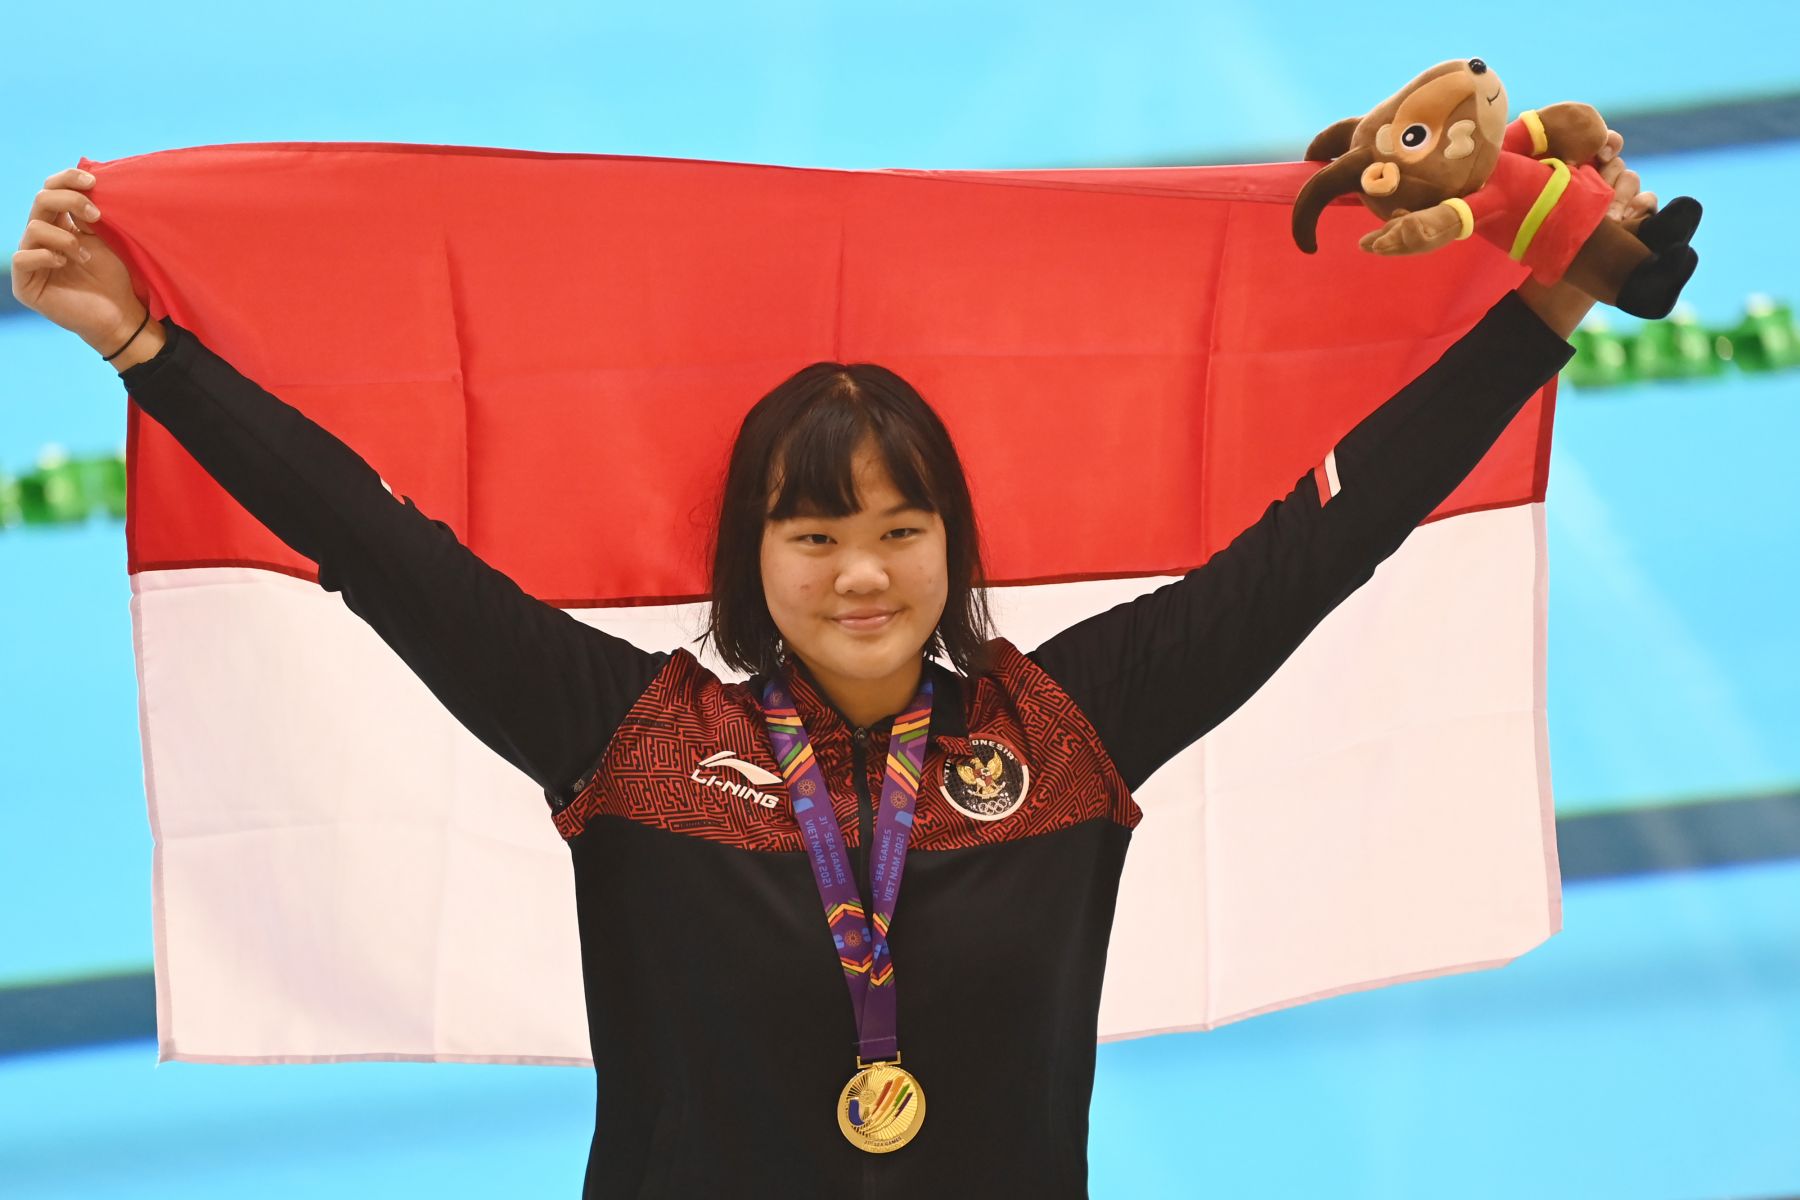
(864, 573)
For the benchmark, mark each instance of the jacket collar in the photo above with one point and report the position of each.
(949, 723)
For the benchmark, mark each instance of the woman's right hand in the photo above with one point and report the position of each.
(66, 273)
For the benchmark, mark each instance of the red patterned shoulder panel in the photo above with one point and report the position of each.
(693, 757)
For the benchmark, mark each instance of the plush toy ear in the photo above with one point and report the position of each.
(1341, 177)
(1332, 142)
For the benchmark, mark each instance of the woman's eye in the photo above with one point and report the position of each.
(807, 538)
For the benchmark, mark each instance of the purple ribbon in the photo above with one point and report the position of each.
(861, 937)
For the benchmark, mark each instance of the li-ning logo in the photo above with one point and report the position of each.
(749, 770)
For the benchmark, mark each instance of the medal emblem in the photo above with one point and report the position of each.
(987, 785)
(881, 1108)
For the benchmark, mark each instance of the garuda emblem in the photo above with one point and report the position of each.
(988, 784)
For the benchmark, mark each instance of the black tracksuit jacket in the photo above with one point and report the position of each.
(718, 1016)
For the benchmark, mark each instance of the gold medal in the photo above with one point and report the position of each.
(882, 1107)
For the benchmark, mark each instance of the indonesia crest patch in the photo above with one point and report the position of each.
(987, 784)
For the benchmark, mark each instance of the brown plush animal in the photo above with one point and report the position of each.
(1438, 161)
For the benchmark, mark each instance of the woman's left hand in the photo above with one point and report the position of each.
(1629, 204)
(1562, 305)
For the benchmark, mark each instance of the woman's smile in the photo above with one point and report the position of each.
(866, 620)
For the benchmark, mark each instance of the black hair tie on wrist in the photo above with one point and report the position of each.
(130, 339)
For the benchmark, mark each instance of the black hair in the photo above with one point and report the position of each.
(802, 438)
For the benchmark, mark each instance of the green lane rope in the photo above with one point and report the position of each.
(63, 491)
(1680, 347)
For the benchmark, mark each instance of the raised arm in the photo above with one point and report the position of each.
(541, 689)
(1156, 673)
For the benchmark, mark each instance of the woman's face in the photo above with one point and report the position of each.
(886, 558)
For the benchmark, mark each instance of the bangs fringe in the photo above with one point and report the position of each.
(813, 467)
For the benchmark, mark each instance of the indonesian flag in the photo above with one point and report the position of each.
(551, 352)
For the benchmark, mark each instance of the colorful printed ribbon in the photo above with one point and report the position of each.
(868, 967)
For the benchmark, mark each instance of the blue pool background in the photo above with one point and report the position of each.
(1651, 1049)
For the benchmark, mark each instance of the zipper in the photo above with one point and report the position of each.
(865, 815)
(865, 824)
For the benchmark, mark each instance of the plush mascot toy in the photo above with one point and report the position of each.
(1438, 161)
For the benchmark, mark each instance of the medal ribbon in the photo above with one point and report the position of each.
(861, 939)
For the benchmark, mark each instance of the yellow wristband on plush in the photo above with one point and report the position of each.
(1465, 213)
(1540, 141)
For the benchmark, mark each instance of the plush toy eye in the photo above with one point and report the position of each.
(1414, 136)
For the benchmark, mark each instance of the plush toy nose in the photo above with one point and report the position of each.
(1477, 66)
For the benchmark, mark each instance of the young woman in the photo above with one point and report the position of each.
(738, 847)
